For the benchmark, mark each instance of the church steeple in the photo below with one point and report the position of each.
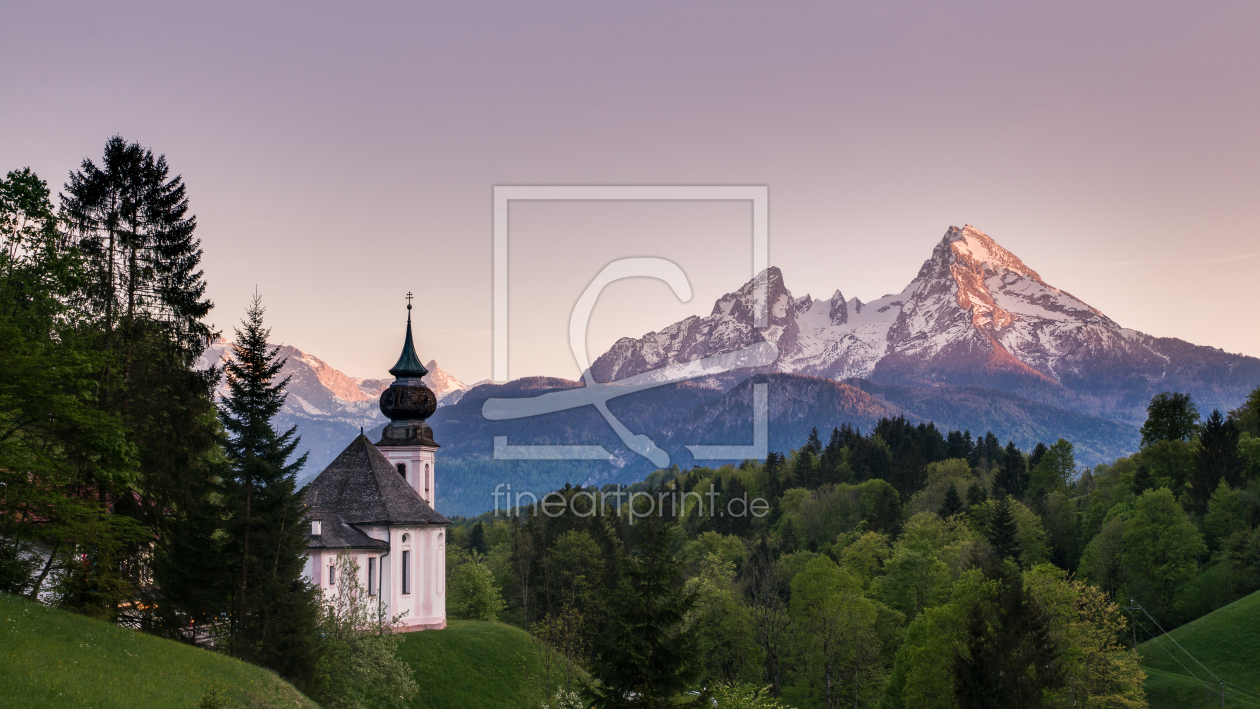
(408, 402)
(408, 364)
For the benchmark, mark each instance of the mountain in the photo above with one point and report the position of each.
(327, 406)
(976, 341)
(975, 315)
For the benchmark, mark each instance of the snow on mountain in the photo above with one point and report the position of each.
(974, 314)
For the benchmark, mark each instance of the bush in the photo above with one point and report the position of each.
(471, 591)
(358, 663)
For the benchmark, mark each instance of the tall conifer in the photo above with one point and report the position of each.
(275, 611)
(645, 657)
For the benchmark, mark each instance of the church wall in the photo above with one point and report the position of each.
(421, 468)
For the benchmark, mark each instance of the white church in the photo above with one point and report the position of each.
(375, 502)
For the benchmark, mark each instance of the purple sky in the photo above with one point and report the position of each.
(340, 155)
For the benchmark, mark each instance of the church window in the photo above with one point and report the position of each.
(406, 571)
(371, 576)
(426, 477)
(332, 575)
(402, 470)
(406, 538)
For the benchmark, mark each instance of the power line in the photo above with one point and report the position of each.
(1249, 693)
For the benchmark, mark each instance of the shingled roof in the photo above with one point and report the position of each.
(336, 534)
(361, 487)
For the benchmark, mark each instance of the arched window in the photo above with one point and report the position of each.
(402, 469)
(426, 477)
(406, 538)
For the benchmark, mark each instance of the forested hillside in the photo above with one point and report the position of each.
(904, 567)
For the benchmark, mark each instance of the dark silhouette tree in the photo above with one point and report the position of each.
(1003, 533)
(813, 443)
(275, 614)
(976, 494)
(1171, 416)
(1216, 460)
(1010, 658)
(953, 503)
(1012, 475)
(645, 657)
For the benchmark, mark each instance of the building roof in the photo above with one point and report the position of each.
(408, 364)
(336, 534)
(361, 487)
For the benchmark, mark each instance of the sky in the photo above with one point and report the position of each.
(339, 155)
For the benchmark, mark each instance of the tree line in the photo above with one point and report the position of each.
(904, 567)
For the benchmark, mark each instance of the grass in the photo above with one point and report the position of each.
(474, 664)
(1227, 641)
(53, 658)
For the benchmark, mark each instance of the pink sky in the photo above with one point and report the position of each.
(340, 154)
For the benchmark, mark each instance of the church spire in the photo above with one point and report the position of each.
(408, 364)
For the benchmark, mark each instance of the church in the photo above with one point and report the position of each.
(375, 502)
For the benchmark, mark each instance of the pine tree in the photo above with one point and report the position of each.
(1003, 534)
(275, 613)
(976, 494)
(1012, 475)
(1216, 460)
(477, 539)
(645, 657)
(831, 466)
(143, 295)
(1010, 658)
(1038, 451)
(953, 503)
(813, 443)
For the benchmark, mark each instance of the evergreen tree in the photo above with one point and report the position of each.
(477, 539)
(1216, 460)
(953, 503)
(805, 472)
(1010, 658)
(1038, 452)
(956, 446)
(645, 657)
(1003, 534)
(143, 295)
(275, 614)
(831, 466)
(774, 481)
(1012, 476)
(976, 494)
(1171, 416)
(813, 443)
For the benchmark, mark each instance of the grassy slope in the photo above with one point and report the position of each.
(473, 664)
(52, 658)
(1227, 641)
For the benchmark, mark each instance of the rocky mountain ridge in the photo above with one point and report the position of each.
(974, 314)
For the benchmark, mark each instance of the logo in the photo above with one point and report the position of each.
(598, 394)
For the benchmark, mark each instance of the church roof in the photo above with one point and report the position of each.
(361, 487)
(336, 534)
(408, 364)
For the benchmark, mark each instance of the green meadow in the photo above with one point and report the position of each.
(53, 658)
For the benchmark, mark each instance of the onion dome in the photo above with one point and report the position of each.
(408, 402)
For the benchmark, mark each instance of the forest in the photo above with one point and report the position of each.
(901, 567)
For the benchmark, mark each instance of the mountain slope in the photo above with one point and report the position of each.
(974, 314)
